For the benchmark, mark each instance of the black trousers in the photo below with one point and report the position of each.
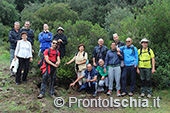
(23, 63)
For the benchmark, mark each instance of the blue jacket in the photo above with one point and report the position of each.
(112, 58)
(93, 73)
(13, 38)
(45, 40)
(130, 55)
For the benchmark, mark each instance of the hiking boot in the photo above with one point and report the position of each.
(106, 90)
(124, 94)
(53, 96)
(40, 96)
(130, 94)
(142, 95)
(94, 95)
(25, 81)
(17, 83)
(149, 96)
(109, 93)
(118, 94)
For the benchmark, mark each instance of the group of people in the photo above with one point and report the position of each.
(115, 64)
(108, 65)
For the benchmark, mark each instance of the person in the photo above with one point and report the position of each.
(14, 36)
(62, 41)
(146, 58)
(130, 53)
(52, 61)
(103, 77)
(45, 38)
(23, 52)
(29, 31)
(119, 44)
(99, 52)
(113, 58)
(80, 59)
(116, 39)
(91, 80)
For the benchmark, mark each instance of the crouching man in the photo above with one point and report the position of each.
(103, 77)
(91, 80)
(50, 63)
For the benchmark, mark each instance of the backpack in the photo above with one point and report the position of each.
(40, 63)
(83, 56)
(148, 51)
(133, 49)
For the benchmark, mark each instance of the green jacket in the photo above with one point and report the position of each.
(101, 71)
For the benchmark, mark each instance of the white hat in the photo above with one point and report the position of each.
(144, 40)
(60, 28)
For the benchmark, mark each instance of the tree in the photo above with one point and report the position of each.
(48, 13)
(112, 20)
(8, 13)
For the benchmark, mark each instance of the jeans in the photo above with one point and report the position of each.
(86, 87)
(44, 82)
(132, 71)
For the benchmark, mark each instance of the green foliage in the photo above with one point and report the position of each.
(112, 20)
(8, 13)
(48, 13)
(152, 22)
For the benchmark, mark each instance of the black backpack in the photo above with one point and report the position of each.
(148, 51)
(40, 63)
(133, 49)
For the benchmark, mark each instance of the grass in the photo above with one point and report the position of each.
(22, 98)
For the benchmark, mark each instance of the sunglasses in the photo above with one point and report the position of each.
(127, 41)
(54, 43)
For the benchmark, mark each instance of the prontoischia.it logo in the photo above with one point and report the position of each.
(108, 102)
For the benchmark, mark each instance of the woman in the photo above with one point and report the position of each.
(23, 52)
(80, 59)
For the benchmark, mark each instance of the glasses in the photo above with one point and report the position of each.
(127, 41)
(54, 43)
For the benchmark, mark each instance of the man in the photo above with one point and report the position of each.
(130, 61)
(62, 41)
(29, 32)
(91, 80)
(45, 38)
(119, 44)
(103, 77)
(116, 39)
(146, 57)
(52, 61)
(99, 52)
(14, 36)
(113, 58)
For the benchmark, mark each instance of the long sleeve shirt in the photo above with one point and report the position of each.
(130, 55)
(45, 40)
(23, 49)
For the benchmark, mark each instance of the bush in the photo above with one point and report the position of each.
(48, 13)
(152, 22)
(8, 13)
